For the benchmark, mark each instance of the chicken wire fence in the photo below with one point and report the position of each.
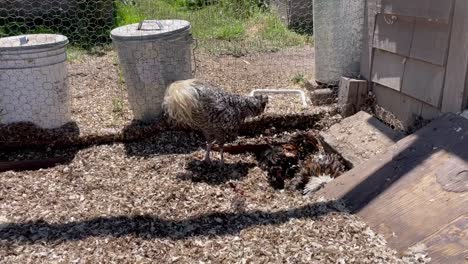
(103, 83)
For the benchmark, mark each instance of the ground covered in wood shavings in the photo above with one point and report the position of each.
(152, 202)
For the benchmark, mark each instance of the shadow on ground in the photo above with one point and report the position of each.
(150, 226)
(25, 146)
(214, 173)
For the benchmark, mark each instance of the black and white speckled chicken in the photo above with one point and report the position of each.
(218, 114)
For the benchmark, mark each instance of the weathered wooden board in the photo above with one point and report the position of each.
(443, 242)
(394, 37)
(457, 62)
(436, 10)
(429, 112)
(430, 42)
(359, 137)
(403, 194)
(423, 81)
(438, 35)
(404, 107)
(388, 69)
(352, 95)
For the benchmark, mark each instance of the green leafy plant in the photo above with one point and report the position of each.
(298, 78)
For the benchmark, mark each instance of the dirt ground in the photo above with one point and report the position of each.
(153, 202)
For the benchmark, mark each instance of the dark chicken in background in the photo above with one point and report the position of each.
(297, 161)
(294, 164)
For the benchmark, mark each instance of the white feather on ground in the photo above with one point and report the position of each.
(315, 183)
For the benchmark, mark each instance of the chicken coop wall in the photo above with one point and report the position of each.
(415, 55)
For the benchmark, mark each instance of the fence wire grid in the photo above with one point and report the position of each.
(101, 83)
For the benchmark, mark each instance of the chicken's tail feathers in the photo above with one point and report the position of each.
(180, 100)
(316, 183)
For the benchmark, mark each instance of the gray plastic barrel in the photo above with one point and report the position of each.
(33, 80)
(338, 36)
(152, 54)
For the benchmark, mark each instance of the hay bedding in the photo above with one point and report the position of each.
(146, 202)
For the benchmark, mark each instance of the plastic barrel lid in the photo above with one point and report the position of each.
(32, 41)
(150, 29)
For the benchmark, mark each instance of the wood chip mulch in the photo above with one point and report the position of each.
(154, 201)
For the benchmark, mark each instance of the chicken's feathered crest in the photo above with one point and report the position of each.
(180, 100)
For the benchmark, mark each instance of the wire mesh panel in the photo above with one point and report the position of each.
(86, 23)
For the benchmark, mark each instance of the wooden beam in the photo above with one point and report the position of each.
(457, 63)
(31, 164)
(351, 95)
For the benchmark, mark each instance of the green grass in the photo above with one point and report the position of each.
(234, 31)
(3, 32)
(233, 27)
(19, 29)
(117, 105)
(298, 78)
(127, 14)
(75, 53)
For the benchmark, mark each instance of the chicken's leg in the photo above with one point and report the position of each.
(208, 150)
(221, 151)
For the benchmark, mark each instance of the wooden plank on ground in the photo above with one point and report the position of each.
(442, 243)
(457, 62)
(359, 137)
(31, 164)
(406, 195)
